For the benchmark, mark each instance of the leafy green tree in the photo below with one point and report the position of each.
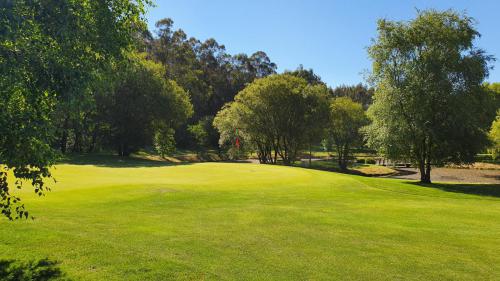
(495, 137)
(274, 114)
(346, 119)
(232, 140)
(49, 53)
(429, 104)
(317, 115)
(204, 133)
(164, 141)
(142, 101)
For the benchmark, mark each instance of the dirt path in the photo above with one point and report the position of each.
(452, 175)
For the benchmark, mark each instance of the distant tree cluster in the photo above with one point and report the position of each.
(277, 116)
(358, 93)
(201, 73)
(210, 75)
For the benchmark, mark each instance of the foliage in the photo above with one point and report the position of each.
(40, 270)
(204, 133)
(164, 141)
(307, 74)
(346, 119)
(228, 125)
(274, 115)
(49, 53)
(358, 93)
(429, 104)
(210, 75)
(494, 135)
(140, 102)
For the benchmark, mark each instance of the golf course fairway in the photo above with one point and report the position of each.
(240, 221)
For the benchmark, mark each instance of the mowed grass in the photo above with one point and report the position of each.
(230, 221)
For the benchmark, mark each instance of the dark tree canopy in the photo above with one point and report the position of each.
(141, 102)
(429, 104)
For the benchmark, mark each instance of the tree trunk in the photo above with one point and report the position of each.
(343, 164)
(123, 150)
(342, 157)
(425, 171)
(77, 146)
(63, 141)
(92, 142)
(310, 155)
(64, 137)
(428, 173)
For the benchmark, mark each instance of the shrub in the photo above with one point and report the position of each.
(164, 142)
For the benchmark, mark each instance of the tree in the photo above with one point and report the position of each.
(274, 114)
(49, 53)
(429, 104)
(228, 124)
(346, 119)
(164, 141)
(494, 135)
(204, 134)
(141, 102)
(358, 93)
(316, 118)
(307, 74)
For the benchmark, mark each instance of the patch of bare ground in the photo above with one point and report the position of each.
(478, 165)
(447, 174)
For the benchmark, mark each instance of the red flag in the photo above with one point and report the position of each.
(237, 143)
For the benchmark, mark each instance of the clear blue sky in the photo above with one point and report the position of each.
(329, 36)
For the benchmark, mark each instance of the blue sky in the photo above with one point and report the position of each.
(329, 36)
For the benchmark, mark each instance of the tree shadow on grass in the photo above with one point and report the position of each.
(40, 270)
(115, 161)
(404, 172)
(492, 190)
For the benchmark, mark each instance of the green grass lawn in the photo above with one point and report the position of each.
(228, 221)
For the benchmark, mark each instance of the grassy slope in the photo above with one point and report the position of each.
(222, 221)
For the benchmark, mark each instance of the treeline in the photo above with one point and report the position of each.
(165, 94)
(170, 83)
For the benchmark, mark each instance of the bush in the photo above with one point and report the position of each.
(164, 142)
(360, 161)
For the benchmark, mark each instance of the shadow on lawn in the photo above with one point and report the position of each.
(492, 190)
(115, 161)
(40, 270)
(404, 172)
